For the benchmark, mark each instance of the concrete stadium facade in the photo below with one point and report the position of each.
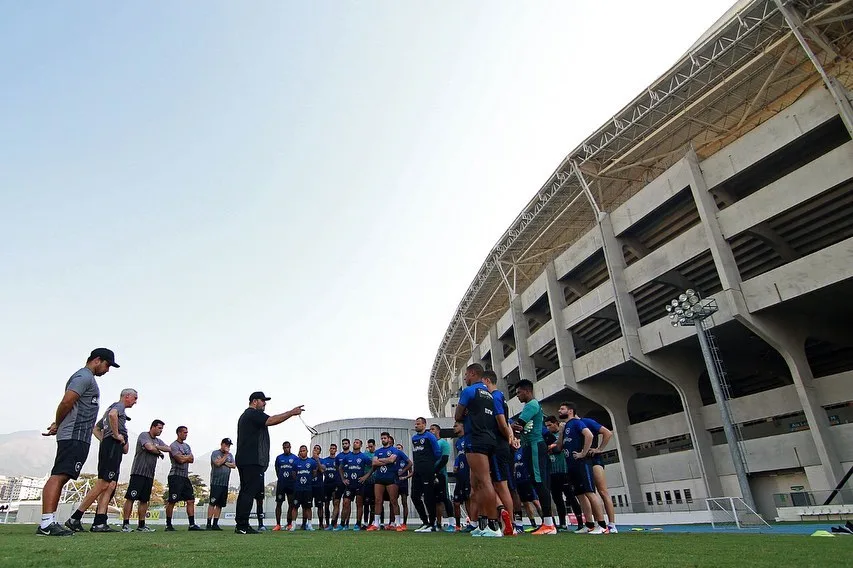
(743, 191)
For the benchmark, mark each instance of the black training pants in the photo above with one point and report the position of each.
(251, 483)
(423, 493)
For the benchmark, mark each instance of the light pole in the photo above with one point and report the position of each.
(689, 310)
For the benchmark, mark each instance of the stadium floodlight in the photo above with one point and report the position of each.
(688, 309)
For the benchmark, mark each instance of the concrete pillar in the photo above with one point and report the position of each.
(616, 407)
(521, 330)
(784, 336)
(630, 322)
(497, 357)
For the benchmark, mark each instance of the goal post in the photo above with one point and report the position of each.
(733, 512)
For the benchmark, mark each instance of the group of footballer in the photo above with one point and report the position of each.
(503, 464)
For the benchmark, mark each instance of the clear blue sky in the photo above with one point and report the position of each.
(283, 196)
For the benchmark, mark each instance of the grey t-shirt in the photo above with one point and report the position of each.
(219, 475)
(144, 462)
(78, 424)
(179, 449)
(122, 419)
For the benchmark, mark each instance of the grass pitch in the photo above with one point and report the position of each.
(19, 546)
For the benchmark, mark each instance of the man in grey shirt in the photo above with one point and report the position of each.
(111, 430)
(75, 418)
(180, 488)
(149, 448)
(221, 464)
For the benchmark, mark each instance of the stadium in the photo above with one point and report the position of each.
(730, 175)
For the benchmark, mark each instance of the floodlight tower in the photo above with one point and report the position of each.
(688, 309)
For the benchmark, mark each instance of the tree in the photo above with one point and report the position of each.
(158, 495)
(269, 489)
(200, 489)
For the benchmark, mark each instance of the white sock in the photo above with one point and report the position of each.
(376, 520)
(47, 519)
(611, 525)
(548, 521)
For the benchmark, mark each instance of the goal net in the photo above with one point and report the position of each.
(733, 513)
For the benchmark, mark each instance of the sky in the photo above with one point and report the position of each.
(282, 196)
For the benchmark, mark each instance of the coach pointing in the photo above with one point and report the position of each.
(253, 454)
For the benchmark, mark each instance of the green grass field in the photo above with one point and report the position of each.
(20, 547)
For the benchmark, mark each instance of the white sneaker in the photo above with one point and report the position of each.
(582, 530)
(423, 529)
(490, 533)
(477, 532)
(612, 529)
(597, 530)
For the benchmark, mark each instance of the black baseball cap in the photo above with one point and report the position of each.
(105, 355)
(226, 441)
(258, 395)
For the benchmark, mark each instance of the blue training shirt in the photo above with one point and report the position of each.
(284, 469)
(304, 473)
(521, 473)
(425, 451)
(331, 473)
(594, 427)
(387, 472)
(573, 438)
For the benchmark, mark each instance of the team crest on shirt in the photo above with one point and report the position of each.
(94, 400)
(78, 466)
(358, 461)
(174, 495)
(303, 481)
(212, 500)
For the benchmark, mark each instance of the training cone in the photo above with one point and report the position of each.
(638, 529)
(822, 533)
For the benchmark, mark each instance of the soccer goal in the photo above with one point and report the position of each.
(733, 513)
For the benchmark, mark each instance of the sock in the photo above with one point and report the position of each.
(168, 521)
(602, 524)
(47, 519)
(590, 526)
(100, 519)
(548, 521)
(376, 520)
(125, 523)
(482, 522)
(493, 524)
(216, 522)
(77, 515)
(192, 519)
(611, 525)
(209, 520)
(141, 523)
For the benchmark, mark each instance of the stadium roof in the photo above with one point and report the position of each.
(745, 69)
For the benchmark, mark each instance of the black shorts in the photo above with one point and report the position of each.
(462, 492)
(180, 489)
(367, 492)
(283, 492)
(386, 482)
(485, 446)
(70, 457)
(317, 493)
(302, 498)
(597, 460)
(580, 477)
(353, 490)
(526, 492)
(139, 488)
(339, 491)
(403, 486)
(329, 492)
(218, 495)
(440, 487)
(501, 463)
(109, 459)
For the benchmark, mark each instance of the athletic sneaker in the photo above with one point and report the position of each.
(424, 529)
(371, 528)
(449, 528)
(490, 533)
(310, 528)
(147, 529)
(328, 528)
(599, 530)
(506, 518)
(583, 530)
(74, 525)
(262, 528)
(276, 528)
(291, 528)
(401, 528)
(612, 529)
(246, 530)
(356, 527)
(170, 528)
(469, 528)
(545, 529)
(339, 528)
(477, 532)
(53, 529)
(104, 528)
(197, 528)
(126, 528)
(215, 528)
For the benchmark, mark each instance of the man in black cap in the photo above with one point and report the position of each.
(253, 454)
(75, 419)
(221, 464)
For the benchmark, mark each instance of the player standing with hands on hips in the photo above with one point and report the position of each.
(253, 453)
